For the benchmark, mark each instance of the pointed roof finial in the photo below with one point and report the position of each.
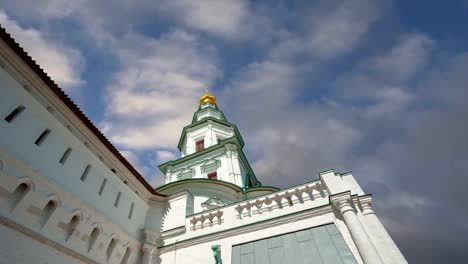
(207, 97)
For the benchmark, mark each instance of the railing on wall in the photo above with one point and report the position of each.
(293, 199)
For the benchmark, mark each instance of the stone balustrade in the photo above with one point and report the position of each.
(279, 200)
(206, 219)
(297, 198)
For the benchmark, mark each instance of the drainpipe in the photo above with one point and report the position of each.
(217, 253)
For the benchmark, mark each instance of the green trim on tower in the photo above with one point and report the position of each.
(184, 130)
(194, 118)
(233, 140)
(163, 189)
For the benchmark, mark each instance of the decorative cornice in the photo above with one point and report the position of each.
(173, 232)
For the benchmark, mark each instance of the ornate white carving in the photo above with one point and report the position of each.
(276, 201)
(207, 219)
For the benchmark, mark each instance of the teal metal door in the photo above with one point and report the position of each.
(318, 245)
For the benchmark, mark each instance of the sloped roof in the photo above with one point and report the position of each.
(8, 39)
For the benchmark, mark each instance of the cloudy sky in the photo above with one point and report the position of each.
(377, 87)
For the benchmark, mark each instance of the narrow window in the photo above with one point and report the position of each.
(65, 156)
(102, 186)
(213, 175)
(113, 170)
(42, 137)
(117, 199)
(111, 248)
(74, 221)
(85, 173)
(19, 193)
(126, 256)
(93, 238)
(130, 213)
(200, 145)
(47, 211)
(14, 113)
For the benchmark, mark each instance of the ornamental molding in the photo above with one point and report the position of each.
(186, 173)
(210, 166)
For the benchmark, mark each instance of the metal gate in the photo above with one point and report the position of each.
(323, 244)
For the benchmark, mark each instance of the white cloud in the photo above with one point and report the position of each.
(63, 64)
(405, 59)
(156, 90)
(339, 30)
(164, 156)
(332, 29)
(222, 17)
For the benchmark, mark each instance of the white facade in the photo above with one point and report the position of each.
(67, 196)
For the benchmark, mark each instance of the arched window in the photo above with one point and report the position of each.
(19, 193)
(93, 237)
(47, 211)
(14, 114)
(126, 256)
(74, 221)
(111, 247)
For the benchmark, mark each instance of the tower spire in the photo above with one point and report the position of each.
(207, 98)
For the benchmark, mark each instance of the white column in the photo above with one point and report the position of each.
(385, 245)
(168, 175)
(229, 161)
(236, 166)
(150, 246)
(363, 243)
(148, 253)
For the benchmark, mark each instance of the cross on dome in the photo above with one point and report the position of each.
(207, 97)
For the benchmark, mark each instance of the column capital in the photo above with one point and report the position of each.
(342, 201)
(149, 249)
(230, 147)
(365, 202)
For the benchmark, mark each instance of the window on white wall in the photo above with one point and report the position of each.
(200, 145)
(42, 137)
(117, 199)
(101, 190)
(213, 175)
(65, 156)
(14, 114)
(85, 173)
(130, 213)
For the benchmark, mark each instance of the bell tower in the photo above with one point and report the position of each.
(211, 148)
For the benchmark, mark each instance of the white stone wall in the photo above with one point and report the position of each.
(18, 137)
(52, 215)
(19, 248)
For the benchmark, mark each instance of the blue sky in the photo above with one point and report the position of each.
(377, 87)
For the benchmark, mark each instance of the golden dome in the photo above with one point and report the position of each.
(207, 98)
